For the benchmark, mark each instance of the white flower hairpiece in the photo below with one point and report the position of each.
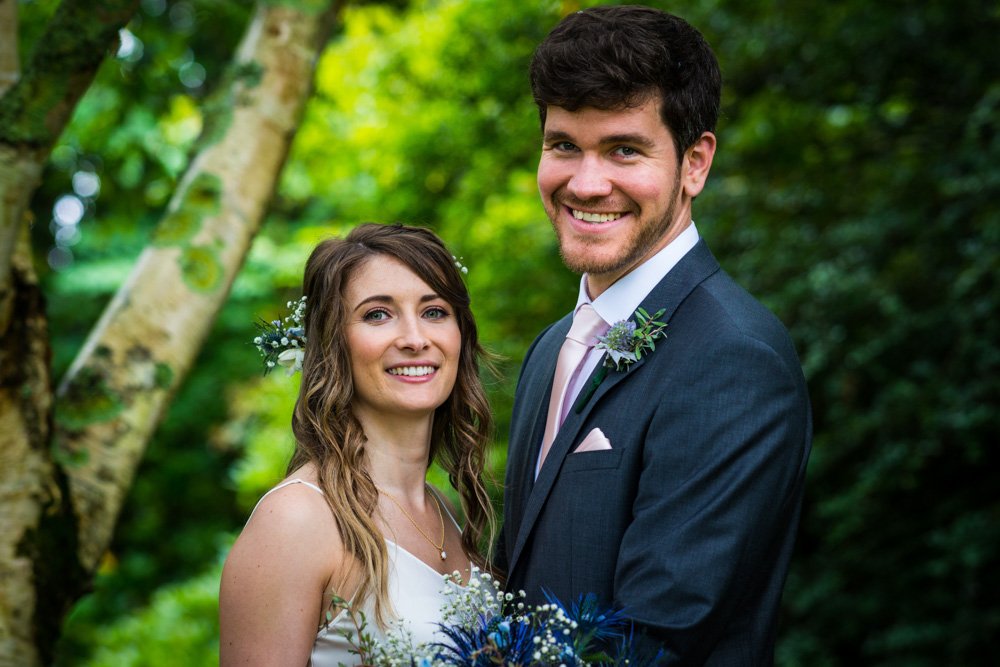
(282, 342)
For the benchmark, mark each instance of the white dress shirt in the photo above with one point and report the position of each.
(620, 301)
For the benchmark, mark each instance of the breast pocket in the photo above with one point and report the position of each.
(599, 460)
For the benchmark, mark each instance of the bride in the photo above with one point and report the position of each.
(389, 383)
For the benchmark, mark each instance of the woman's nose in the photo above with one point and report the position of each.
(412, 335)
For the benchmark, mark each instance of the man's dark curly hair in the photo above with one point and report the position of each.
(613, 58)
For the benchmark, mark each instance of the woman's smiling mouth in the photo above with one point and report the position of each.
(412, 371)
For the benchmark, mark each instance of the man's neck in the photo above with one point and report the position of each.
(597, 284)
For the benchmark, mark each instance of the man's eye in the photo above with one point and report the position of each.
(626, 151)
(377, 315)
(564, 146)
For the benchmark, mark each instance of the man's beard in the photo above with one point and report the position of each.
(637, 246)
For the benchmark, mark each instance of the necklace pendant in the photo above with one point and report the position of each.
(443, 554)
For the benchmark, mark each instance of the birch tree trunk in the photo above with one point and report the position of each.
(124, 377)
(35, 110)
(34, 508)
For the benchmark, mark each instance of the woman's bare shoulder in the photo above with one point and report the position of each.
(282, 562)
(296, 511)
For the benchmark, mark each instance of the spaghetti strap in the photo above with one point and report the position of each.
(444, 506)
(294, 480)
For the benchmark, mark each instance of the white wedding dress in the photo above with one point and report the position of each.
(416, 591)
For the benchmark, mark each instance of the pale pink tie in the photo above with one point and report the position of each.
(582, 336)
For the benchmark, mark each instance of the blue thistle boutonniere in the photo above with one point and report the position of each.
(625, 342)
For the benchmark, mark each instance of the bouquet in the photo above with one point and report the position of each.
(482, 626)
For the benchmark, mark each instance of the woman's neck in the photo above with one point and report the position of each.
(398, 452)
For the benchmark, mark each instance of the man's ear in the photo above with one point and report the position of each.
(697, 163)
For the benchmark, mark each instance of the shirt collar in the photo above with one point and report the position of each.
(621, 300)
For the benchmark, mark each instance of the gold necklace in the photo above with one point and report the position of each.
(437, 504)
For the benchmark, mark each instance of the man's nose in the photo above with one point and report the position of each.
(590, 179)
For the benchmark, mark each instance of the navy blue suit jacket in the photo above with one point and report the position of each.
(688, 521)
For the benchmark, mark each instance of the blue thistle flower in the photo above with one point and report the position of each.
(627, 340)
(629, 652)
(495, 641)
(597, 626)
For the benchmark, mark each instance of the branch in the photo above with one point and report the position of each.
(10, 72)
(121, 383)
(34, 112)
(10, 64)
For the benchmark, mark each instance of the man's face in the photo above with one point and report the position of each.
(612, 186)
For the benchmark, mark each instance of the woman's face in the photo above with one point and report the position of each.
(403, 340)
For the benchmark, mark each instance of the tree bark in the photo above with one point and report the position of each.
(10, 65)
(10, 72)
(119, 385)
(35, 110)
(61, 495)
(32, 491)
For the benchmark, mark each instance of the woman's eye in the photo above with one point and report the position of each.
(435, 313)
(377, 315)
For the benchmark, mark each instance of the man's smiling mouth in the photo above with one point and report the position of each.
(595, 217)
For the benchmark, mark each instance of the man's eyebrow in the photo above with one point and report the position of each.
(635, 139)
(555, 136)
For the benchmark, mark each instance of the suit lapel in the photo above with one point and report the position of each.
(537, 376)
(668, 294)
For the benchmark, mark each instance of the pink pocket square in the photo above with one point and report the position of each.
(594, 442)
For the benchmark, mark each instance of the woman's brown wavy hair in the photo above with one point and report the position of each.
(328, 434)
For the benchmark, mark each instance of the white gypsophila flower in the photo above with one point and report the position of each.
(292, 359)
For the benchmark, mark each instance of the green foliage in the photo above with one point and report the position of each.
(856, 190)
(179, 627)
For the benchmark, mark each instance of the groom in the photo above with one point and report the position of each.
(672, 484)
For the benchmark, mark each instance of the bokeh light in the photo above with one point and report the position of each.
(68, 210)
(130, 48)
(86, 184)
(192, 74)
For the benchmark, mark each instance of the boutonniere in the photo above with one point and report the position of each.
(626, 341)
